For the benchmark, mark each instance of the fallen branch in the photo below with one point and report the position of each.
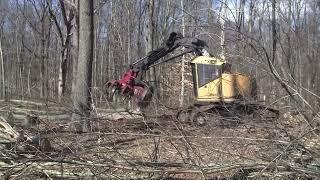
(7, 133)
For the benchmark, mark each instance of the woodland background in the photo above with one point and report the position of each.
(39, 42)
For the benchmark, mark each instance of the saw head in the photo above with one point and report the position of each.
(140, 92)
(142, 95)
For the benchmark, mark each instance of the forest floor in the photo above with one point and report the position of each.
(127, 145)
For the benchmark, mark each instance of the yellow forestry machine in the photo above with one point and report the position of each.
(216, 89)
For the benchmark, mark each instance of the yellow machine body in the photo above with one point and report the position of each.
(213, 81)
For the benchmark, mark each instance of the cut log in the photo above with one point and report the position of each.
(118, 115)
(30, 102)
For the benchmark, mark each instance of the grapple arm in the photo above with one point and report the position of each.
(132, 85)
(174, 41)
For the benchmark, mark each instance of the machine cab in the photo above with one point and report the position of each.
(214, 82)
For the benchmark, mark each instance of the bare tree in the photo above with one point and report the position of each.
(68, 37)
(183, 57)
(2, 73)
(274, 31)
(45, 44)
(150, 38)
(74, 52)
(222, 18)
(251, 20)
(81, 95)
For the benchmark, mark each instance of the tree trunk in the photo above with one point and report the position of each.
(274, 32)
(68, 37)
(17, 65)
(240, 26)
(20, 59)
(289, 49)
(81, 95)
(42, 61)
(274, 43)
(60, 84)
(150, 40)
(74, 47)
(183, 58)
(2, 73)
(223, 11)
(45, 36)
(250, 21)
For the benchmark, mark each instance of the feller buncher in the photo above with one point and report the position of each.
(216, 89)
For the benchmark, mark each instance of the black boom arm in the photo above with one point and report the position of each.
(174, 41)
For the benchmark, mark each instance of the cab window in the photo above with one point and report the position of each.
(207, 73)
